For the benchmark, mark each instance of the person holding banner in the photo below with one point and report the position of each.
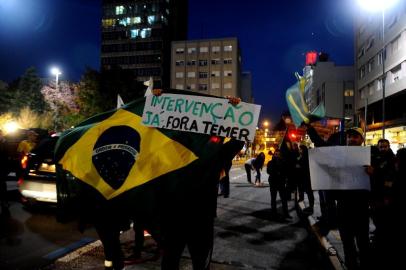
(353, 216)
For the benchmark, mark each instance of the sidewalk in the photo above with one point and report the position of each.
(332, 241)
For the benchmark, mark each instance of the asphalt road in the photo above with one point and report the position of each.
(31, 239)
(246, 237)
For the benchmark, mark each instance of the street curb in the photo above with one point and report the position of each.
(336, 261)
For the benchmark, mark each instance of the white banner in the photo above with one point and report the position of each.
(199, 114)
(339, 167)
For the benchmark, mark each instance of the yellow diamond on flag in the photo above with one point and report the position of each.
(113, 162)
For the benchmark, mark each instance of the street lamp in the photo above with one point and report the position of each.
(374, 6)
(56, 71)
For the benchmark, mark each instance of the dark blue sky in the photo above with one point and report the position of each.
(273, 36)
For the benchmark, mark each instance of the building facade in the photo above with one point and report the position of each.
(380, 60)
(137, 36)
(331, 86)
(246, 87)
(210, 66)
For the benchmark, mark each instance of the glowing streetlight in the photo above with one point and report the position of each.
(56, 72)
(375, 6)
(265, 123)
(11, 127)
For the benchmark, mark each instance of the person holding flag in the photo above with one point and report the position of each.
(164, 179)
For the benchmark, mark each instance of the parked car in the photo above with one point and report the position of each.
(37, 182)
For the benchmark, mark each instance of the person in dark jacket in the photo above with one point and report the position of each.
(303, 172)
(277, 170)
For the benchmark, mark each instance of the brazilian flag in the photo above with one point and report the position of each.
(113, 153)
(297, 105)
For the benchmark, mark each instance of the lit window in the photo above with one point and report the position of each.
(125, 21)
(228, 73)
(136, 20)
(134, 33)
(108, 22)
(191, 74)
(145, 32)
(379, 85)
(228, 48)
(179, 86)
(228, 85)
(215, 73)
(215, 49)
(204, 49)
(179, 74)
(151, 19)
(120, 10)
(215, 86)
(180, 50)
(191, 50)
(349, 93)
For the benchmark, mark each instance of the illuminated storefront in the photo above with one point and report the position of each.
(395, 135)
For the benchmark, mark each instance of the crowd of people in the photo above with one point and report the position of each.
(349, 211)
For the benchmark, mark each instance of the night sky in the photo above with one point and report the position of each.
(273, 36)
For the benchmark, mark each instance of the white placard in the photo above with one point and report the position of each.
(199, 114)
(339, 167)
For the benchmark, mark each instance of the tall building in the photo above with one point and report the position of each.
(246, 87)
(137, 36)
(210, 66)
(382, 76)
(332, 86)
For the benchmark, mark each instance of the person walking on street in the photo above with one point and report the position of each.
(276, 168)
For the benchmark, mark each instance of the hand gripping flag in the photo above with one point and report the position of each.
(297, 105)
(113, 152)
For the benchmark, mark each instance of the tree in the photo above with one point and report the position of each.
(62, 102)
(28, 93)
(88, 96)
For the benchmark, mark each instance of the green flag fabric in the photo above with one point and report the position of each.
(113, 152)
(298, 108)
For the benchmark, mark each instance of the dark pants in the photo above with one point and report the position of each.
(283, 195)
(353, 225)
(225, 185)
(248, 171)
